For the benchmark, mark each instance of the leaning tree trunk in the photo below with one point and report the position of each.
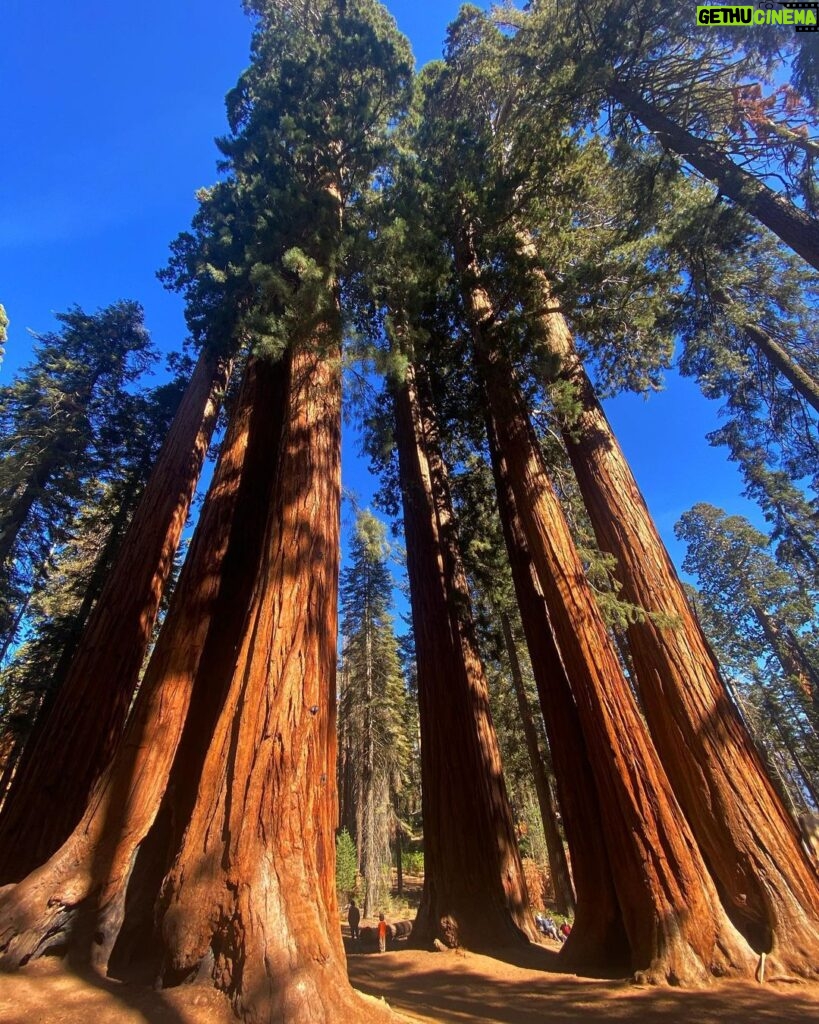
(250, 904)
(789, 655)
(75, 901)
(677, 929)
(474, 891)
(748, 839)
(778, 356)
(795, 227)
(598, 940)
(558, 865)
(71, 746)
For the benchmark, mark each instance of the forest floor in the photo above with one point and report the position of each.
(434, 988)
(451, 987)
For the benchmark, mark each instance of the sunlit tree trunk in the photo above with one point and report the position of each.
(250, 904)
(474, 891)
(75, 901)
(748, 839)
(73, 743)
(598, 940)
(676, 926)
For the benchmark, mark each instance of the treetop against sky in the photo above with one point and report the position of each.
(109, 114)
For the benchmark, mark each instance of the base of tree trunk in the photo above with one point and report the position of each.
(596, 946)
(44, 913)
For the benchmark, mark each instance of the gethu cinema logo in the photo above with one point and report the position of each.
(803, 16)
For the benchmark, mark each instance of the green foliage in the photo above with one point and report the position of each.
(345, 864)
(763, 624)
(412, 862)
(51, 614)
(66, 421)
(591, 53)
(309, 122)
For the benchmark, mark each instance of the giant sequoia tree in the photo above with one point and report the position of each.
(206, 821)
(470, 898)
(307, 125)
(704, 770)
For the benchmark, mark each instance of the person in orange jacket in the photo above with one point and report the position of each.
(382, 934)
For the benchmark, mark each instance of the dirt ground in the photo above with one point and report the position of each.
(436, 988)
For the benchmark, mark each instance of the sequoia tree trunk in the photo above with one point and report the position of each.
(598, 940)
(72, 745)
(677, 929)
(474, 891)
(749, 840)
(250, 904)
(74, 902)
(795, 227)
(558, 865)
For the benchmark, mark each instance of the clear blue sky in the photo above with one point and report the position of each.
(107, 117)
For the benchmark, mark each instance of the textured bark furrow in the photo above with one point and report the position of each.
(70, 748)
(674, 921)
(468, 899)
(76, 899)
(250, 903)
(747, 836)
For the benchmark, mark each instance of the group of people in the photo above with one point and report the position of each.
(354, 919)
(545, 925)
(548, 927)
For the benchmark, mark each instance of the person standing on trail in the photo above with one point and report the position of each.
(382, 934)
(353, 917)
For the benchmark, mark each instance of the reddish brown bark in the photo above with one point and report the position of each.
(74, 902)
(250, 904)
(748, 838)
(598, 940)
(70, 747)
(558, 865)
(474, 891)
(676, 926)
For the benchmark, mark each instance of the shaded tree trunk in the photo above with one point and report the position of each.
(399, 863)
(676, 926)
(346, 759)
(22, 503)
(749, 840)
(75, 901)
(558, 865)
(474, 890)
(598, 940)
(250, 904)
(70, 747)
(795, 227)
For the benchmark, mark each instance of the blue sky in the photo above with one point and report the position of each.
(107, 118)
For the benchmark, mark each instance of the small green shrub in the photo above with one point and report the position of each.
(412, 862)
(346, 859)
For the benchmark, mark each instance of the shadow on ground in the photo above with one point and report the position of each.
(467, 988)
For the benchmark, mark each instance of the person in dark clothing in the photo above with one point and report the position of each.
(353, 917)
